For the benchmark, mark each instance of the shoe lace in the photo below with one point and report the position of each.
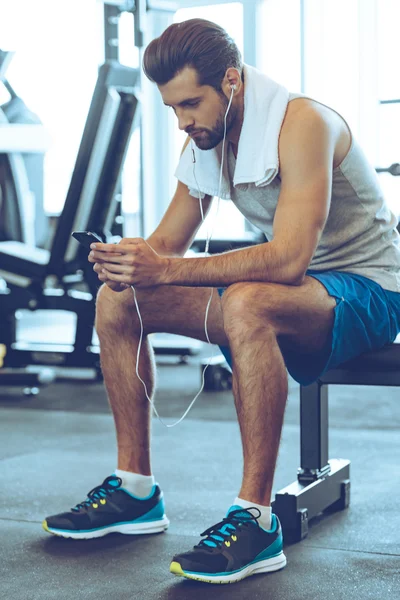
(220, 532)
(109, 485)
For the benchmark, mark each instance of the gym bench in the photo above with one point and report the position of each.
(324, 484)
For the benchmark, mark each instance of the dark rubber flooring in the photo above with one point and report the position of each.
(57, 446)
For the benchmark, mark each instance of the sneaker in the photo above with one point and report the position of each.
(111, 509)
(235, 548)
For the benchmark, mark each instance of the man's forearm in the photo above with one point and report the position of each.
(257, 263)
(158, 246)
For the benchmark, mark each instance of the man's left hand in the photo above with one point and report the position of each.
(131, 262)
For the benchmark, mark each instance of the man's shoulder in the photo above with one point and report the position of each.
(303, 120)
(306, 112)
(305, 117)
(303, 110)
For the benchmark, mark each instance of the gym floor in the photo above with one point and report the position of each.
(57, 446)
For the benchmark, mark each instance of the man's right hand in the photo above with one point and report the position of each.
(114, 285)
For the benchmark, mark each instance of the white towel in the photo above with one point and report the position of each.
(265, 104)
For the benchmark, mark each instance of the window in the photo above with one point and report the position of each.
(389, 91)
(58, 49)
(131, 172)
(332, 56)
(353, 76)
(280, 44)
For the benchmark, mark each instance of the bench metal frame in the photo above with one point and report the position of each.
(322, 483)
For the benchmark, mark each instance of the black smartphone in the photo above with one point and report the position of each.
(86, 238)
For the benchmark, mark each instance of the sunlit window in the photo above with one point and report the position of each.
(130, 177)
(332, 69)
(389, 89)
(279, 43)
(58, 50)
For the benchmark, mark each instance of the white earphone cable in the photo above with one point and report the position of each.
(212, 291)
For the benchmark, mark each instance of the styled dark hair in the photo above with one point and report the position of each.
(195, 43)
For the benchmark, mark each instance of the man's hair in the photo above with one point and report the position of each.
(195, 43)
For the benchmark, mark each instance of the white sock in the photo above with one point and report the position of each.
(136, 484)
(265, 518)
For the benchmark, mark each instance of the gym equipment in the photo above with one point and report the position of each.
(394, 169)
(218, 375)
(323, 484)
(62, 278)
(22, 216)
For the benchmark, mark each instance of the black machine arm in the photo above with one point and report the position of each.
(394, 169)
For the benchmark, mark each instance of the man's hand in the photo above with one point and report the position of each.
(98, 266)
(131, 262)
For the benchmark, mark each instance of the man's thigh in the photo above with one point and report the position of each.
(165, 309)
(302, 316)
(306, 317)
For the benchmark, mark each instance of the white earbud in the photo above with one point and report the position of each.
(233, 87)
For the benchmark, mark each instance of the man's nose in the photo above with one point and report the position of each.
(184, 121)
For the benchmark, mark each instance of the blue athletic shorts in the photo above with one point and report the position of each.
(367, 317)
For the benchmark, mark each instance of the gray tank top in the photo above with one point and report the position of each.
(360, 234)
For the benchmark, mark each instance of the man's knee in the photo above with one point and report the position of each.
(247, 305)
(113, 309)
(249, 298)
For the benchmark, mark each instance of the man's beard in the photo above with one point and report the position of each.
(210, 138)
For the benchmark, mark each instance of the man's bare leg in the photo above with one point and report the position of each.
(256, 315)
(130, 406)
(171, 309)
(264, 388)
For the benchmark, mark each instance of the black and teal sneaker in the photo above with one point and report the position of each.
(235, 548)
(110, 508)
